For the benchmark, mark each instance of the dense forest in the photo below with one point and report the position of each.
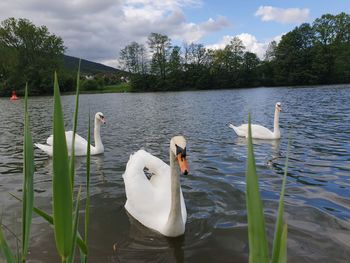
(317, 53)
(310, 54)
(31, 54)
(28, 54)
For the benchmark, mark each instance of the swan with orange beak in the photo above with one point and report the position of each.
(158, 202)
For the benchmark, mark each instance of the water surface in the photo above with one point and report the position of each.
(317, 199)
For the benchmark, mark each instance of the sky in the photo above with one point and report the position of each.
(98, 29)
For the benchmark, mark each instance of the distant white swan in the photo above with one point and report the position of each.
(260, 132)
(80, 142)
(157, 203)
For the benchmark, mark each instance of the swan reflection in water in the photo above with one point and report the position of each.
(274, 147)
(142, 244)
(44, 166)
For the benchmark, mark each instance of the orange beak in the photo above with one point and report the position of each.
(183, 164)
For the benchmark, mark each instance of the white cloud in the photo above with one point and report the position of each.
(249, 41)
(98, 29)
(281, 15)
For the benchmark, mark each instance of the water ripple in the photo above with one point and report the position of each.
(317, 199)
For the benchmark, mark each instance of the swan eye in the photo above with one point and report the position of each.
(102, 117)
(181, 151)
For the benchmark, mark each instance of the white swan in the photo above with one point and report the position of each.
(157, 203)
(80, 142)
(260, 132)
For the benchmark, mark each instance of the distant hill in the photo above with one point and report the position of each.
(87, 67)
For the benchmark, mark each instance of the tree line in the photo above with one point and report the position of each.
(310, 54)
(28, 54)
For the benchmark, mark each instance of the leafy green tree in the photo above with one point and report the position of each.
(294, 58)
(197, 66)
(342, 28)
(325, 29)
(32, 55)
(159, 46)
(332, 38)
(317, 53)
(249, 66)
(196, 55)
(175, 76)
(175, 63)
(235, 51)
(133, 58)
(270, 53)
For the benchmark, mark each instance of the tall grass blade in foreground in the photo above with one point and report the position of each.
(48, 218)
(28, 172)
(5, 249)
(87, 202)
(279, 244)
(282, 257)
(258, 246)
(28, 191)
(75, 228)
(62, 183)
(75, 121)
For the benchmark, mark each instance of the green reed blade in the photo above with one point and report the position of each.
(5, 249)
(277, 242)
(87, 204)
(75, 121)
(75, 228)
(49, 219)
(258, 246)
(28, 172)
(62, 184)
(44, 215)
(282, 257)
(83, 258)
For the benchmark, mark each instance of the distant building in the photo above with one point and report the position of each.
(89, 77)
(124, 79)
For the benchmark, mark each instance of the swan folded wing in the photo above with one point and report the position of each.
(258, 131)
(145, 198)
(183, 207)
(45, 148)
(241, 131)
(80, 143)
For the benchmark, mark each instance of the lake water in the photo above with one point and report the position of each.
(317, 203)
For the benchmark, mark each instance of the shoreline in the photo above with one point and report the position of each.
(126, 89)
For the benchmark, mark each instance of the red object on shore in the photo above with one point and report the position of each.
(14, 96)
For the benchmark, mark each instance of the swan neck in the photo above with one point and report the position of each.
(175, 216)
(276, 127)
(97, 136)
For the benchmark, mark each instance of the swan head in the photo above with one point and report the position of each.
(100, 117)
(178, 148)
(278, 106)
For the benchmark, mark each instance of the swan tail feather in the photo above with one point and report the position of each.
(238, 130)
(49, 140)
(234, 128)
(45, 148)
